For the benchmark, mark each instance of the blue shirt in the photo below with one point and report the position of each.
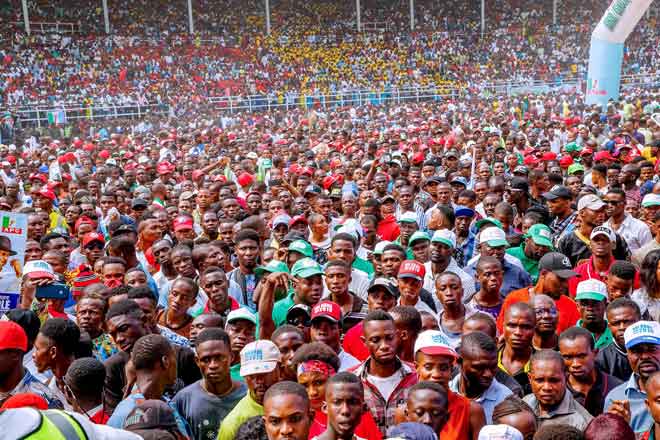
(514, 277)
(640, 417)
(127, 405)
(495, 394)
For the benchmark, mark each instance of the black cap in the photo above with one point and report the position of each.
(558, 192)
(387, 198)
(292, 236)
(521, 169)
(520, 184)
(26, 319)
(139, 203)
(124, 229)
(436, 179)
(151, 415)
(297, 309)
(387, 284)
(312, 188)
(557, 263)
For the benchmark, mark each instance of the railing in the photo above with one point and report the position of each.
(45, 115)
(50, 27)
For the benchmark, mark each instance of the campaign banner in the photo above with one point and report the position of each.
(620, 19)
(13, 235)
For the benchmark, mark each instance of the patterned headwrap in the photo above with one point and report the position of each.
(316, 366)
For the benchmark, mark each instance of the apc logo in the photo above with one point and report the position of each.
(9, 226)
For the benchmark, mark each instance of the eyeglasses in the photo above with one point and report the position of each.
(94, 245)
(542, 312)
(612, 202)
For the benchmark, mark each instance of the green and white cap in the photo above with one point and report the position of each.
(541, 235)
(651, 200)
(380, 246)
(444, 236)
(302, 247)
(493, 237)
(305, 268)
(591, 289)
(272, 267)
(408, 217)
(418, 236)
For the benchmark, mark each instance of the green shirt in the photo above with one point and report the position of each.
(531, 266)
(409, 253)
(605, 338)
(235, 372)
(244, 409)
(281, 308)
(364, 266)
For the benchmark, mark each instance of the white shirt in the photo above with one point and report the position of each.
(509, 258)
(385, 385)
(28, 364)
(346, 361)
(358, 285)
(469, 285)
(634, 231)
(421, 306)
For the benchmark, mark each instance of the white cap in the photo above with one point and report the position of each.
(651, 199)
(603, 230)
(590, 201)
(591, 289)
(434, 342)
(444, 236)
(282, 219)
(38, 269)
(408, 217)
(259, 357)
(642, 332)
(241, 313)
(499, 432)
(252, 155)
(493, 236)
(380, 246)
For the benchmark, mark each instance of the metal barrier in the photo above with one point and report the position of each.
(45, 115)
(50, 27)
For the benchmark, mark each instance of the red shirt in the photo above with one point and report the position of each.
(566, 308)
(366, 429)
(100, 417)
(353, 344)
(458, 424)
(388, 229)
(587, 271)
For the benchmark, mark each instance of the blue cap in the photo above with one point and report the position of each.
(463, 211)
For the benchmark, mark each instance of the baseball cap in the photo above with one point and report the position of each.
(47, 193)
(150, 414)
(463, 211)
(557, 263)
(380, 246)
(499, 432)
(488, 220)
(124, 229)
(412, 269)
(493, 237)
(410, 430)
(290, 237)
(642, 332)
(386, 284)
(304, 308)
(258, 357)
(603, 230)
(302, 247)
(444, 236)
(418, 236)
(305, 268)
(12, 336)
(408, 217)
(91, 237)
(572, 146)
(297, 219)
(387, 199)
(281, 219)
(327, 310)
(23, 400)
(590, 201)
(139, 203)
(591, 289)
(460, 180)
(521, 169)
(575, 168)
(434, 342)
(241, 313)
(182, 222)
(651, 199)
(272, 267)
(603, 155)
(433, 179)
(541, 235)
(558, 192)
(313, 189)
(38, 269)
(519, 183)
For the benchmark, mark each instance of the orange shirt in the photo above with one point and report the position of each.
(566, 307)
(458, 424)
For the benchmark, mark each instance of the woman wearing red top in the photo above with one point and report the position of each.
(315, 363)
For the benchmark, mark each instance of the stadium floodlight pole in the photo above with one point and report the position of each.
(191, 25)
(483, 17)
(554, 12)
(26, 17)
(359, 17)
(412, 15)
(267, 16)
(106, 16)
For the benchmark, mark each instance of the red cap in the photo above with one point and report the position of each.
(25, 400)
(104, 154)
(328, 181)
(164, 168)
(328, 310)
(196, 174)
(549, 155)
(182, 222)
(47, 193)
(92, 236)
(586, 152)
(38, 176)
(219, 178)
(84, 220)
(604, 155)
(412, 269)
(565, 161)
(530, 160)
(245, 179)
(298, 219)
(12, 336)
(11, 159)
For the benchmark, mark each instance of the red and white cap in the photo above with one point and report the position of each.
(327, 310)
(182, 222)
(434, 343)
(412, 269)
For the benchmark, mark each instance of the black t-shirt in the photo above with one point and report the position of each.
(614, 361)
(575, 249)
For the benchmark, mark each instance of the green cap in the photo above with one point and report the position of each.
(302, 247)
(378, 249)
(305, 268)
(541, 235)
(575, 168)
(491, 220)
(272, 267)
(591, 289)
(418, 235)
(571, 147)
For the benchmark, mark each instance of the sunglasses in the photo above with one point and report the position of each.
(95, 245)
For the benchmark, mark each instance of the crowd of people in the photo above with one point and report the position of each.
(313, 49)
